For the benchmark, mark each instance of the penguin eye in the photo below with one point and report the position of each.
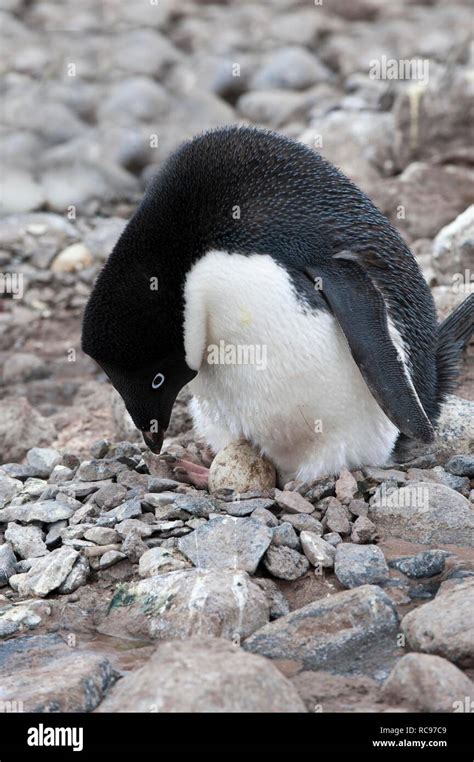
(157, 381)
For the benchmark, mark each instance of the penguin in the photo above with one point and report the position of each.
(256, 272)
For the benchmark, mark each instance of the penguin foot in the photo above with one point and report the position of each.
(191, 473)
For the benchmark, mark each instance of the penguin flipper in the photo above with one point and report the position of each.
(360, 309)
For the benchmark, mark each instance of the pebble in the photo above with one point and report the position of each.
(133, 547)
(363, 530)
(285, 563)
(46, 511)
(265, 516)
(160, 561)
(9, 487)
(26, 541)
(44, 459)
(102, 535)
(335, 518)
(7, 563)
(293, 502)
(240, 467)
(96, 470)
(333, 538)
(318, 552)
(428, 563)
(461, 465)
(110, 496)
(284, 534)
(302, 521)
(227, 543)
(346, 486)
(46, 574)
(360, 565)
(110, 558)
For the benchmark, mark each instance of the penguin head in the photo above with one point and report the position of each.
(135, 335)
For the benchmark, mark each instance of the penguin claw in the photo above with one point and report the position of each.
(191, 473)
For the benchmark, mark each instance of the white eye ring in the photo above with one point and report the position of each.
(157, 381)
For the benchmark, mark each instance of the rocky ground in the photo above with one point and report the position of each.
(348, 594)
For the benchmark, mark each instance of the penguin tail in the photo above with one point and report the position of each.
(454, 334)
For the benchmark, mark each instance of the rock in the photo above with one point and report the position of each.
(130, 509)
(279, 605)
(8, 489)
(346, 486)
(61, 474)
(424, 512)
(455, 426)
(318, 552)
(293, 502)
(227, 543)
(333, 538)
(26, 541)
(47, 573)
(111, 557)
(284, 534)
(133, 100)
(21, 428)
(72, 259)
(247, 507)
(160, 561)
(335, 519)
(444, 625)
(110, 496)
(21, 193)
(43, 459)
(7, 563)
(24, 366)
(350, 632)
(134, 525)
(201, 507)
(363, 530)
(207, 675)
(47, 675)
(461, 465)
(239, 467)
(95, 470)
(428, 684)
(360, 565)
(77, 576)
(324, 692)
(133, 547)
(302, 522)
(266, 517)
(285, 563)
(18, 618)
(272, 108)
(179, 604)
(102, 535)
(46, 511)
(290, 68)
(424, 564)
(453, 247)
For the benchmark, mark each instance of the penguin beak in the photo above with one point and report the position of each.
(154, 439)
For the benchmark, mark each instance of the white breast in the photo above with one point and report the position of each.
(281, 377)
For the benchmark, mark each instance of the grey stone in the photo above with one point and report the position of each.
(350, 632)
(424, 564)
(461, 465)
(161, 560)
(110, 496)
(111, 557)
(130, 509)
(284, 562)
(302, 522)
(333, 538)
(21, 428)
(293, 502)
(8, 489)
(47, 675)
(284, 534)
(179, 604)
(201, 507)
(363, 530)
(318, 552)
(96, 470)
(7, 563)
(204, 675)
(360, 565)
(47, 573)
(26, 541)
(335, 519)
(428, 684)
(161, 484)
(44, 459)
(291, 68)
(133, 547)
(247, 507)
(265, 516)
(424, 512)
(102, 535)
(77, 576)
(227, 543)
(47, 511)
(279, 605)
(444, 626)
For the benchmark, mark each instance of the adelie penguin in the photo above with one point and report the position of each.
(329, 349)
